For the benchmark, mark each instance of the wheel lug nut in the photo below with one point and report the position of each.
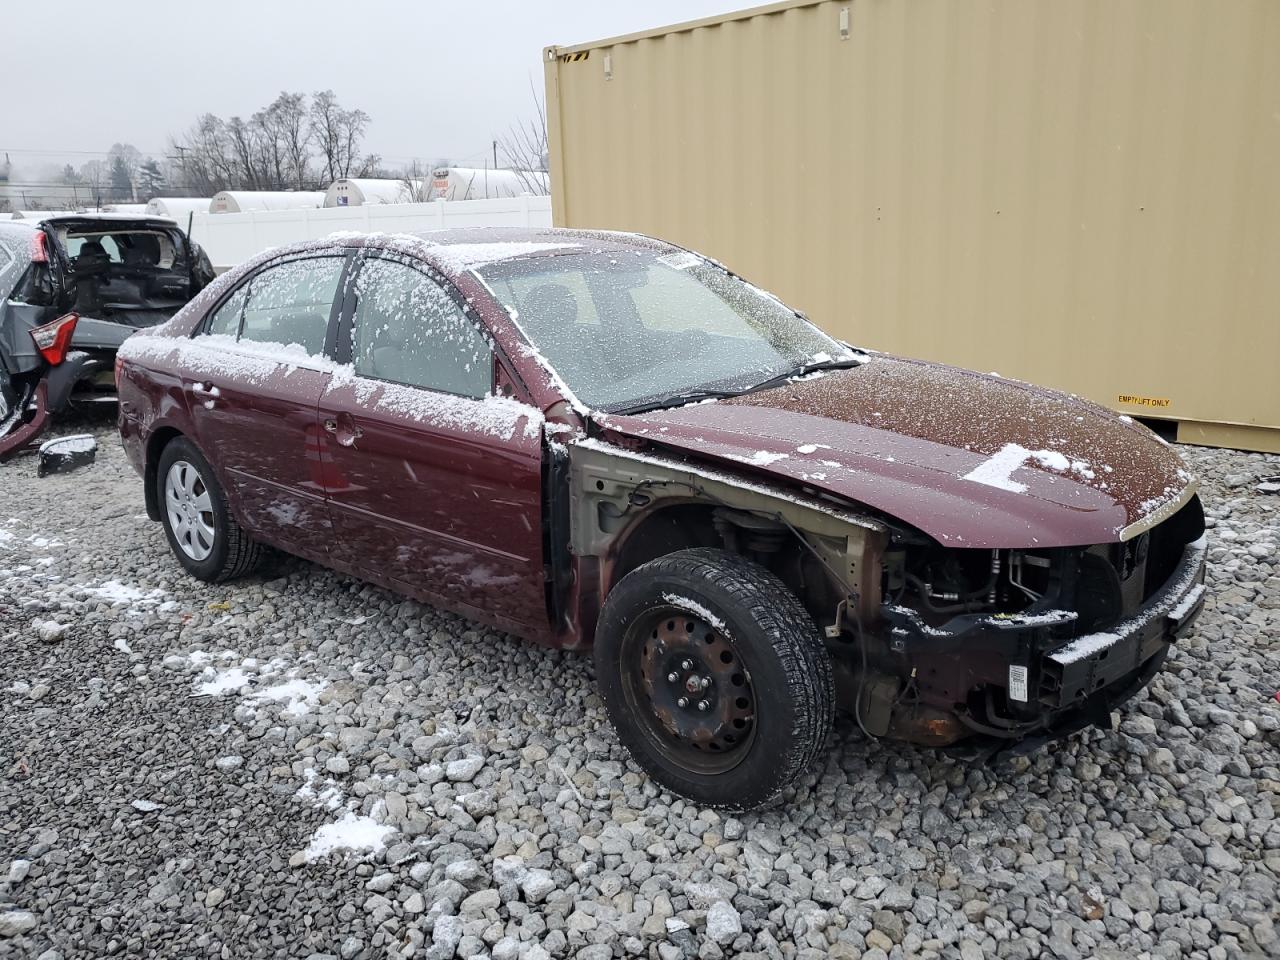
(704, 706)
(687, 664)
(682, 702)
(672, 677)
(704, 682)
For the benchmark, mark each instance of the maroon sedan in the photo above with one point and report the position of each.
(594, 438)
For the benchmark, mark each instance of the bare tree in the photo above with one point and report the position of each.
(523, 148)
(287, 120)
(337, 134)
(95, 174)
(206, 157)
(273, 148)
(246, 149)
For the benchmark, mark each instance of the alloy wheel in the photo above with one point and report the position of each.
(189, 509)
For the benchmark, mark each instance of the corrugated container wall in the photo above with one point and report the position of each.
(1083, 193)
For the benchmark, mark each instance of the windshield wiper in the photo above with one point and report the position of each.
(676, 400)
(804, 370)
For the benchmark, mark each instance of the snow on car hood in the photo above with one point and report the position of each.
(972, 460)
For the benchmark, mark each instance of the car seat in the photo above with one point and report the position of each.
(89, 269)
(549, 315)
(394, 350)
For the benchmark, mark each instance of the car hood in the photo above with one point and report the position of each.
(972, 460)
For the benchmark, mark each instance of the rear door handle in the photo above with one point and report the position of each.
(208, 393)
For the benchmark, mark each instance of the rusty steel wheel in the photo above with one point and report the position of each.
(715, 677)
(694, 686)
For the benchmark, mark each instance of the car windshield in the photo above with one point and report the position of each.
(626, 329)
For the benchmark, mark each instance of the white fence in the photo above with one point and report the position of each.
(232, 238)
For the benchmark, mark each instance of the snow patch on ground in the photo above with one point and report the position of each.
(228, 680)
(351, 833)
(319, 791)
(115, 592)
(273, 683)
(298, 695)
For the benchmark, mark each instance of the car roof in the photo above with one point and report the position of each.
(458, 250)
(17, 228)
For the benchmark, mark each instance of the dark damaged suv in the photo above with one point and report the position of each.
(594, 438)
(95, 278)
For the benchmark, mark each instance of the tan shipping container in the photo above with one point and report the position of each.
(1081, 193)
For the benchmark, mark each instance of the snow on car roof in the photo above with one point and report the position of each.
(458, 250)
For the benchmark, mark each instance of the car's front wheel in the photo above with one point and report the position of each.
(193, 508)
(715, 677)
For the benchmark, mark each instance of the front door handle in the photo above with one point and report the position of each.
(347, 436)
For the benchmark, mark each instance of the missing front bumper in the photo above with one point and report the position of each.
(965, 684)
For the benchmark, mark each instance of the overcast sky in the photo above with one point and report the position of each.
(437, 79)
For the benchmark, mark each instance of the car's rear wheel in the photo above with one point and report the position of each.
(193, 508)
(715, 677)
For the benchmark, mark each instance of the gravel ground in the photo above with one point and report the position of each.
(179, 761)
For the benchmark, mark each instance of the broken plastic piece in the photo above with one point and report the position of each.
(64, 454)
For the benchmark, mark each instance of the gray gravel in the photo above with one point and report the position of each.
(140, 818)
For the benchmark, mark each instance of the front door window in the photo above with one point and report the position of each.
(408, 330)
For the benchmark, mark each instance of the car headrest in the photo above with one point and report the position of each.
(92, 258)
(550, 304)
(143, 250)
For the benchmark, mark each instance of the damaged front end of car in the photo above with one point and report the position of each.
(1027, 645)
(930, 644)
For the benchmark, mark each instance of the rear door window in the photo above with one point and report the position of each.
(291, 303)
(407, 329)
(226, 319)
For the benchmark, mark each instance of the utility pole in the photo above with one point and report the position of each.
(495, 154)
(182, 162)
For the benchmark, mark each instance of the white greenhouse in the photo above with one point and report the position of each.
(357, 191)
(243, 201)
(480, 183)
(177, 208)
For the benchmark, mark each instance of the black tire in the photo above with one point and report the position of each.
(754, 622)
(234, 553)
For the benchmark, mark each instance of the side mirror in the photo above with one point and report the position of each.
(66, 453)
